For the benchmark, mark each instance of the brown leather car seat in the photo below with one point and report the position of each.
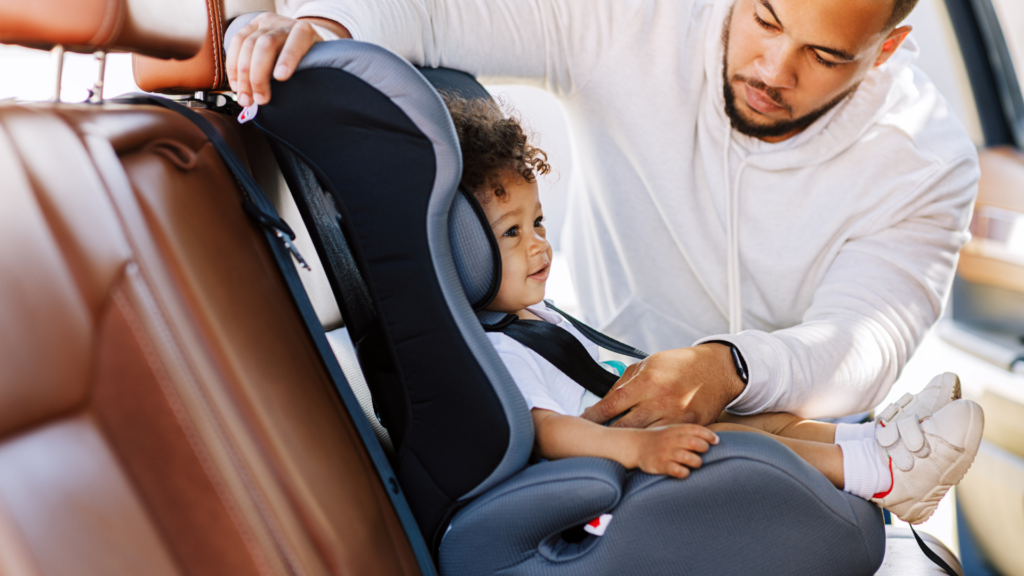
(162, 408)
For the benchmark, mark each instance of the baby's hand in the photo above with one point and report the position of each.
(672, 450)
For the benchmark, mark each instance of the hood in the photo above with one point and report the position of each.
(884, 88)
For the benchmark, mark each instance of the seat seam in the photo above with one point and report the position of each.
(184, 361)
(184, 421)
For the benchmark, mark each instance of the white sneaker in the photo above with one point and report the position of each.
(942, 390)
(927, 457)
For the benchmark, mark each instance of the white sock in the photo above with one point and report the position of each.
(862, 431)
(864, 472)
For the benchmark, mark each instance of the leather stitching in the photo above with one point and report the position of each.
(181, 415)
(262, 510)
(213, 11)
(157, 310)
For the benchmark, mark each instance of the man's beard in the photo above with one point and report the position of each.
(775, 129)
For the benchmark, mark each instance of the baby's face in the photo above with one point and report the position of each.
(518, 223)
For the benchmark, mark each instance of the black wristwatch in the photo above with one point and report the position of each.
(737, 359)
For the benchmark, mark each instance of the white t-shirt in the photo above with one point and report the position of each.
(543, 385)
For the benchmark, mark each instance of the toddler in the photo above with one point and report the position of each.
(905, 460)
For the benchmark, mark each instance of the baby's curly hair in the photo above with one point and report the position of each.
(493, 146)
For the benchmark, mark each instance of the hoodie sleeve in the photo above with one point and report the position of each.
(875, 304)
(553, 44)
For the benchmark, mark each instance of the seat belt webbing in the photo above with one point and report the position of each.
(279, 237)
(560, 348)
(340, 265)
(602, 340)
(935, 558)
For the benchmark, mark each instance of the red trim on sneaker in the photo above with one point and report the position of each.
(892, 482)
(882, 423)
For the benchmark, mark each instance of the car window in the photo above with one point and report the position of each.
(940, 59)
(28, 74)
(1011, 19)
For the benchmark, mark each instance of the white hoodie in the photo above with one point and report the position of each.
(824, 258)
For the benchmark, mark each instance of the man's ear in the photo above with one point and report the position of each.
(892, 43)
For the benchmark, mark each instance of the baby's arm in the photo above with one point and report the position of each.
(668, 450)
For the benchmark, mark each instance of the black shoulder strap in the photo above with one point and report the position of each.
(320, 209)
(600, 339)
(279, 237)
(935, 558)
(560, 348)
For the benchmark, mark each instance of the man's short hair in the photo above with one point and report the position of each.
(900, 10)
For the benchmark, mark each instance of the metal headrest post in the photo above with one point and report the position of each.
(96, 94)
(58, 62)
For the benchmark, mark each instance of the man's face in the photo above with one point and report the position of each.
(787, 62)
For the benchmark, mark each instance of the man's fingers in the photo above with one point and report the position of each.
(264, 55)
(299, 41)
(242, 67)
(637, 418)
(616, 402)
(232, 56)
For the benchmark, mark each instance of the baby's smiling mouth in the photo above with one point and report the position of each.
(541, 273)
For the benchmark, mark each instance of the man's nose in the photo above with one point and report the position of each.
(776, 67)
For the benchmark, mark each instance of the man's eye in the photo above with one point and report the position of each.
(823, 62)
(762, 23)
(512, 232)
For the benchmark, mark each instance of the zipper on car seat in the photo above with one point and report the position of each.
(290, 246)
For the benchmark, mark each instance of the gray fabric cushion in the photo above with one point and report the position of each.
(471, 251)
(754, 507)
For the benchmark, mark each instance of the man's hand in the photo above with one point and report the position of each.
(682, 386)
(271, 43)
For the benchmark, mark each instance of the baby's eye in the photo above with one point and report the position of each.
(512, 232)
(539, 222)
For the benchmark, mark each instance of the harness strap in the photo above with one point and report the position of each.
(279, 237)
(560, 348)
(602, 340)
(319, 208)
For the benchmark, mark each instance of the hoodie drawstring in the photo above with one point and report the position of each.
(732, 211)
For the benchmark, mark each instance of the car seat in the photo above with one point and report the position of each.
(369, 152)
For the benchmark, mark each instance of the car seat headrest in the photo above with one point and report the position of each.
(474, 250)
(205, 70)
(158, 28)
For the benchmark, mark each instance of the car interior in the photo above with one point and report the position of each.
(211, 360)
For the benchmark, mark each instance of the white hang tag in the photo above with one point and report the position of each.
(598, 525)
(248, 113)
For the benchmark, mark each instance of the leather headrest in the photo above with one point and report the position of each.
(205, 71)
(159, 28)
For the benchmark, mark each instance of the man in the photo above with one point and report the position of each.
(768, 178)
